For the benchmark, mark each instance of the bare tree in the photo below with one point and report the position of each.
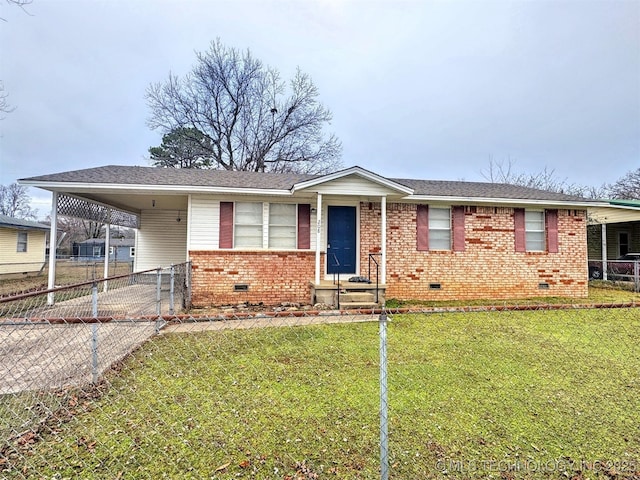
(241, 106)
(627, 187)
(4, 103)
(500, 172)
(15, 202)
(18, 3)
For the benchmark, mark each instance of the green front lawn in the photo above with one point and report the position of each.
(527, 395)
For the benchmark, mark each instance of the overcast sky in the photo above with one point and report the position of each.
(418, 89)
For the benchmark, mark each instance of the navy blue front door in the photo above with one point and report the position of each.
(341, 240)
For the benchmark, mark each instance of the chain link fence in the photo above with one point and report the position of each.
(137, 390)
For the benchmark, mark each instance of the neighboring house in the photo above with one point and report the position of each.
(615, 236)
(23, 245)
(266, 237)
(93, 250)
(619, 238)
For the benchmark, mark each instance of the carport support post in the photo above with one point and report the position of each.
(107, 247)
(384, 424)
(53, 247)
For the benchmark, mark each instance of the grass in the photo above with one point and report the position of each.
(527, 395)
(67, 273)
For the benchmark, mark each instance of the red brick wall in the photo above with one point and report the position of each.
(488, 268)
(272, 277)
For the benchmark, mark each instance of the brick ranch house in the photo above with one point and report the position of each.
(272, 238)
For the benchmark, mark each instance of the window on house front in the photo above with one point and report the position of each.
(22, 242)
(111, 251)
(261, 225)
(439, 228)
(534, 230)
(282, 225)
(248, 225)
(96, 251)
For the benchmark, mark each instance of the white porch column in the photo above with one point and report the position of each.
(318, 236)
(53, 247)
(383, 239)
(604, 251)
(107, 245)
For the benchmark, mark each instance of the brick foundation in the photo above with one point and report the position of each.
(271, 277)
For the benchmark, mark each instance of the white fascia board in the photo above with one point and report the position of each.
(353, 171)
(119, 187)
(503, 201)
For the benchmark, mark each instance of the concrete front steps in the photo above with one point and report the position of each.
(351, 294)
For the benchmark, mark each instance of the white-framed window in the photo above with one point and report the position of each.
(282, 225)
(534, 230)
(132, 251)
(248, 225)
(23, 240)
(96, 251)
(439, 228)
(111, 251)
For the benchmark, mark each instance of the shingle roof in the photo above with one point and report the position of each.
(6, 221)
(130, 175)
(482, 190)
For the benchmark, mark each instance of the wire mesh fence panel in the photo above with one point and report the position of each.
(515, 394)
(295, 394)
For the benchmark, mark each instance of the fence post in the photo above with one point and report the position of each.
(384, 426)
(159, 291)
(171, 290)
(158, 298)
(94, 300)
(94, 352)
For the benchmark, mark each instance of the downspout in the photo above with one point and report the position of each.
(318, 236)
(53, 247)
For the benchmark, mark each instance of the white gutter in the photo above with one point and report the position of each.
(504, 201)
(159, 189)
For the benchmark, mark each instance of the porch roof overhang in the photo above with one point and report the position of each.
(614, 212)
